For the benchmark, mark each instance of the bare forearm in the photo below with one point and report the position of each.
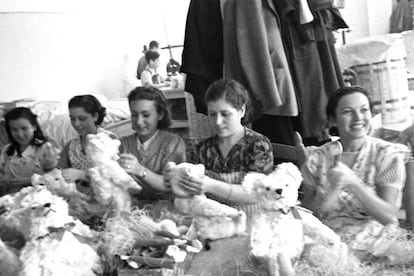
(231, 192)
(156, 181)
(375, 206)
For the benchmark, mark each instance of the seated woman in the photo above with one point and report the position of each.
(86, 115)
(361, 186)
(27, 153)
(147, 151)
(232, 151)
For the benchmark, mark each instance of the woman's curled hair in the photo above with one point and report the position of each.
(23, 113)
(156, 95)
(91, 105)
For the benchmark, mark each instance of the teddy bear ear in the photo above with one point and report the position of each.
(36, 179)
(251, 180)
(292, 170)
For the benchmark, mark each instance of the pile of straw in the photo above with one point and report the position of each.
(123, 230)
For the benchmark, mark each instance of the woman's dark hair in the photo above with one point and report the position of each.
(232, 92)
(91, 105)
(337, 96)
(151, 55)
(156, 95)
(23, 113)
(154, 44)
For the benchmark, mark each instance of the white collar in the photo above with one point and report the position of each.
(146, 144)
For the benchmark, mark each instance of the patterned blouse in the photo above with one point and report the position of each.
(253, 152)
(378, 163)
(162, 148)
(22, 167)
(72, 155)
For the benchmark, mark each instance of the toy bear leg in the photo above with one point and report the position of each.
(285, 265)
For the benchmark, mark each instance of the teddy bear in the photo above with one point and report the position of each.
(54, 182)
(109, 181)
(212, 219)
(53, 238)
(280, 229)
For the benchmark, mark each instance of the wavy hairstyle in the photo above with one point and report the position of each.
(337, 96)
(232, 92)
(23, 113)
(91, 105)
(156, 95)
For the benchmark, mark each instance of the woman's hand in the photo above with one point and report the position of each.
(131, 164)
(301, 154)
(342, 177)
(194, 186)
(72, 175)
(300, 148)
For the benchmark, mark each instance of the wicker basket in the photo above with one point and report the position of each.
(379, 63)
(387, 82)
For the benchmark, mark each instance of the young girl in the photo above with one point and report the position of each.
(27, 153)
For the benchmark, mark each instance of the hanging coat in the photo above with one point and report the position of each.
(254, 55)
(202, 57)
(312, 57)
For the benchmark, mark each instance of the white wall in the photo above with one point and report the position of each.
(56, 49)
(366, 17)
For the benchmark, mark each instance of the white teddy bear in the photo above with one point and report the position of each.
(54, 182)
(213, 220)
(52, 247)
(109, 180)
(280, 229)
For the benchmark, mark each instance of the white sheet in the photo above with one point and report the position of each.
(53, 117)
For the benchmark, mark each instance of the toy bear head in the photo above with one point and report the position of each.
(278, 190)
(41, 212)
(177, 171)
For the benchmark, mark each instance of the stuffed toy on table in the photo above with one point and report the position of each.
(212, 219)
(281, 229)
(55, 243)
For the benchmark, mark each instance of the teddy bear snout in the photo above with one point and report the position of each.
(279, 191)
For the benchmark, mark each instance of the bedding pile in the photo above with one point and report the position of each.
(54, 118)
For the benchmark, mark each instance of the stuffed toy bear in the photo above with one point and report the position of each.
(212, 220)
(54, 182)
(280, 229)
(53, 245)
(109, 180)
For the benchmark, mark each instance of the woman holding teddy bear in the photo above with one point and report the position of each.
(356, 189)
(232, 151)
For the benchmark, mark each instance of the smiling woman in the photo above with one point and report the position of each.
(147, 151)
(362, 186)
